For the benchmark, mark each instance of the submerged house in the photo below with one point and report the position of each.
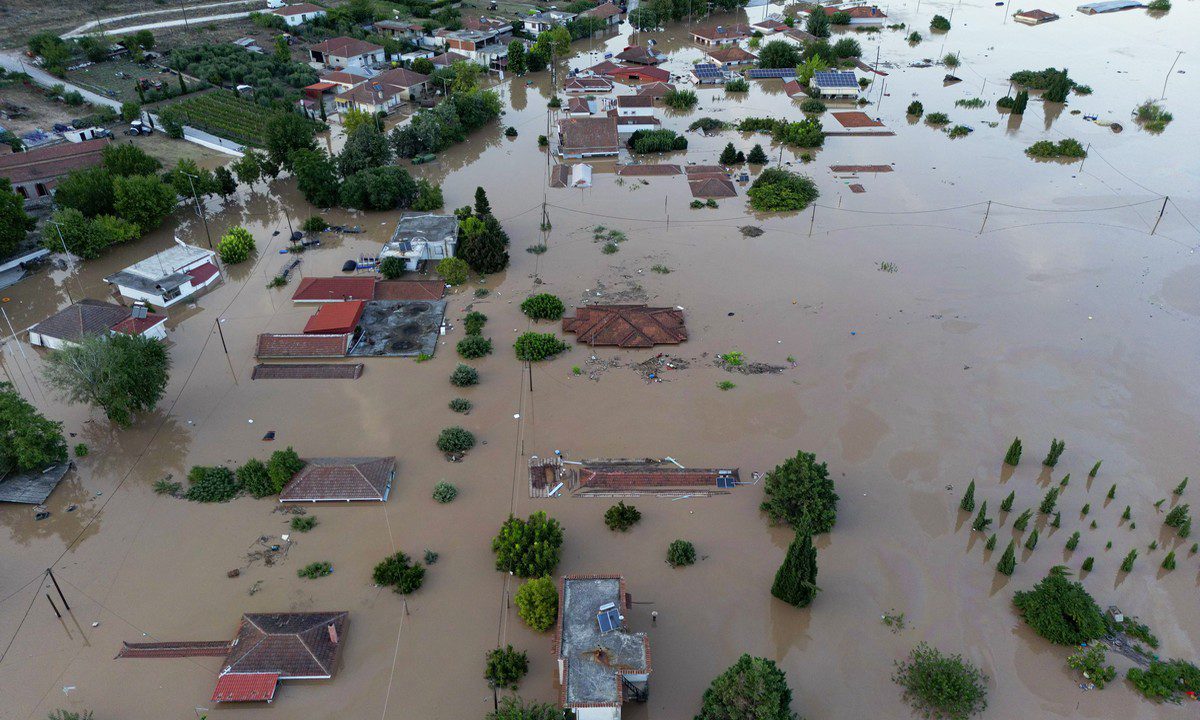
(167, 277)
(1034, 17)
(626, 325)
(95, 317)
(353, 479)
(601, 664)
(835, 84)
(422, 238)
(581, 137)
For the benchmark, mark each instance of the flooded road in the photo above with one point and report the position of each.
(1050, 313)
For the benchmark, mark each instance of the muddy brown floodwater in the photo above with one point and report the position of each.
(1057, 315)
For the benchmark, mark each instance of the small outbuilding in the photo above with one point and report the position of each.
(626, 325)
(1034, 17)
(350, 479)
(335, 318)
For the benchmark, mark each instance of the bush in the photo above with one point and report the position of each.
(939, 23)
(1153, 116)
(799, 492)
(680, 99)
(751, 688)
(1060, 610)
(1159, 6)
(916, 109)
(81, 450)
(315, 570)
(473, 322)
(941, 686)
(474, 346)
(914, 37)
(528, 548)
(235, 246)
(400, 573)
(535, 347)
(737, 85)
(460, 405)
(779, 190)
(166, 487)
(304, 524)
(681, 553)
(391, 267)
(959, 131)
(464, 376)
(1006, 103)
(282, 466)
(653, 141)
(379, 188)
(1090, 661)
(314, 223)
(455, 440)
(621, 516)
(212, 484)
(812, 105)
(937, 118)
(537, 603)
(1065, 148)
(453, 270)
(505, 667)
(510, 131)
(444, 492)
(429, 196)
(543, 306)
(847, 48)
(757, 156)
(255, 479)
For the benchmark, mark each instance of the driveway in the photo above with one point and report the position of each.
(13, 61)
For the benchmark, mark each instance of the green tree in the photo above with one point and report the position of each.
(621, 517)
(1178, 488)
(464, 376)
(1127, 563)
(543, 306)
(1020, 103)
(236, 246)
(537, 603)
(455, 440)
(1032, 541)
(126, 160)
(1007, 503)
(752, 687)
(226, 184)
(982, 521)
(1056, 450)
(847, 48)
(482, 205)
(28, 441)
(453, 270)
(681, 553)
(535, 347)
(1061, 610)
(968, 500)
(90, 191)
(255, 479)
(796, 580)
(284, 134)
(15, 224)
(483, 244)
(516, 57)
(1013, 456)
(143, 200)
(120, 374)
(778, 190)
(429, 196)
(366, 147)
(818, 23)
(504, 667)
(728, 155)
(800, 492)
(1008, 561)
(391, 267)
(941, 686)
(528, 548)
(757, 155)
(1049, 501)
(248, 168)
(1022, 520)
(282, 466)
(400, 573)
(380, 188)
(316, 177)
(939, 23)
(514, 708)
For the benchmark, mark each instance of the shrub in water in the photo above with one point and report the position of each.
(474, 346)
(505, 667)
(464, 376)
(399, 573)
(537, 603)
(444, 492)
(941, 686)
(681, 552)
(543, 306)
(621, 516)
(455, 440)
(534, 347)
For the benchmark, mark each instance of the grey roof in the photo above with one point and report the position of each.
(165, 266)
(595, 659)
(1109, 6)
(425, 227)
(86, 317)
(132, 281)
(32, 487)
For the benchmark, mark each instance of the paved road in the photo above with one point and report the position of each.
(193, 21)
(16, 62)
(101, 23)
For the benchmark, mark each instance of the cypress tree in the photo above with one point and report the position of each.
(1073, 541)
(991, 543)
(795, 581)
(1087, 564)
(1008, 561)
(1020, 102)
(728, 155)
(1186, 528)
(1056, 450)
(981, 520)
(1031, 541)
(1066, 479)
(1095, 469)
(1057, 521)
(1022, 520)
(1006, 503)
(1179, 488)
(1127, 563)
(1126, 515)
(968, 499)
(1112, 492)
(757, 156)
(482, 206)
(1195, 548)
(182, 85)
(1048, 502)
(1013, 456)
(1085, 509)
(1168, 562)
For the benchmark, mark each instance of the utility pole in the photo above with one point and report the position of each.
(70, 262)
(1160, 214)
(21, 349)
(812, 220)
(1085, 154)
(986, 212)
(62, 597)
(221, 332)
(185, 20)
(199, 208)
(1164, 91)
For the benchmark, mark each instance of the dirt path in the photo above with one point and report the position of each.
(13, 61)
(89, 26)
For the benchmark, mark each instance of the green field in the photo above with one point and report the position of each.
(226, 115)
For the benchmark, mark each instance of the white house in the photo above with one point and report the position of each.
(384, 92)
(419, 238)
(299, 14)
(541, 22)
(635, 106)
(95, 317)
(165, 278)
(343, 52)
(835, 84)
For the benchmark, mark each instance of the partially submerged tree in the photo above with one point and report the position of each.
(795, 581)
(752, 687)
(982, 521)
(1061, 610)
(968, 500)
(537, 603)
(528, 548)
(28, 441)
(505, 667)
(1013, 456)
(400, 573)
(800, 492)
(120, 374)
(1056, 449)
(1008, 561)
(941, 686)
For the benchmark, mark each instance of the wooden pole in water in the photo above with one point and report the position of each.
(62, 597)
(1085, 152)
(812, 220)
(1168, 77)
(986, 212)
(57, 614)
(1160, 214)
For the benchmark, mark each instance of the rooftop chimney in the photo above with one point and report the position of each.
(333, 638)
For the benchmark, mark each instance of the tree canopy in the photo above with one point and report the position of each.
(1061, 610)
(799, 492)
(528, 548)
(752, 687)
(120, 374)
(28, 441)
(14, 223)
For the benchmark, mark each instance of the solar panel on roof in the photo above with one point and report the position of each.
(609, 618)
(836, 79)
(762, 73)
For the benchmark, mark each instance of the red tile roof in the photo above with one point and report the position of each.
(301, 346)
(712, 187)
(410, 290)
(201, 273)
(650, 169)
(341, 479)
(626, 325)
(604, 10)
(604, 68)
(295, 645)
(587, 84)
(86, 317)
(638, 54)
(856, 119)
(298, 9)
(589, 134)
(792, 88)
(346, 47)
(246, 687)
(648, 74)
(335, 318)
(334, 289)
(341, 77)
(860, 11)
(732, 53)
(635, 101)
(51, 162)
(655, 89)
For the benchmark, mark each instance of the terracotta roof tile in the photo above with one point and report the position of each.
(410, 290)
(294, 645)
(246, 687)
(341, 479)
(51, 162)
(301, 346)
(626, 325)
(86, 317)
(334, 289)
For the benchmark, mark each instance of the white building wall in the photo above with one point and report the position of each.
(635, 111)
(601, 713)
(39, 340)
(300, 19)
(158, 332)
